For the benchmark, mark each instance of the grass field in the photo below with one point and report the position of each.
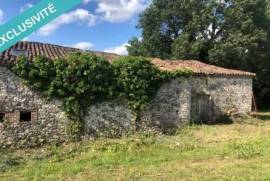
(239, 151)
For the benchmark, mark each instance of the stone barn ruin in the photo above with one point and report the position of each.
(30, 120)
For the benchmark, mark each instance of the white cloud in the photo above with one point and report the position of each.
(121, 50)
(26, 39)
(86, 1)
(120, 10)
(114, 11)
(25, 7)
(76, 16)
(1, 16)
(83, 45)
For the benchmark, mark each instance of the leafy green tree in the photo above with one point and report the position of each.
(202, 29)
(164, 21)
(136, 48)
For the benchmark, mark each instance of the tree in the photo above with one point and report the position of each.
(163, 22)
(229, 33)
(136, 48)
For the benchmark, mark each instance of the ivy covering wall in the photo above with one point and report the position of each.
(83, 79)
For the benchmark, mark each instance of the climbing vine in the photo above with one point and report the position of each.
(83, 79)
(139, 80)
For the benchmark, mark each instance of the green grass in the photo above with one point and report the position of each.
(239, 151)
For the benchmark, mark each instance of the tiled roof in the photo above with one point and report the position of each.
(56, 51)
(198, 68)
(48, 50)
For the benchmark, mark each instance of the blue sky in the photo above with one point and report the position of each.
(103, 25)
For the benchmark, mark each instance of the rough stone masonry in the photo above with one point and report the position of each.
(30, 120)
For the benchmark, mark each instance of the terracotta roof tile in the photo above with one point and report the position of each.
(56, 51)
(48, 50)
(198, 68)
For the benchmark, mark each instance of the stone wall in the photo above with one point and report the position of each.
(227, 95)
(171, 106)
(109, 119)
(47, 118)
(175, 104)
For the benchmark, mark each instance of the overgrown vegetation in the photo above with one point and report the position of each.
(84, 79)
(238, 151)
(139, 80)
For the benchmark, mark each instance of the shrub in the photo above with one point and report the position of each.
(83, 79)
(84, 76)
(137, 79)
(37, 74)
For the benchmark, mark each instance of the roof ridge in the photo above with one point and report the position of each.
(66, 46)
(198, 67)
(50, 44)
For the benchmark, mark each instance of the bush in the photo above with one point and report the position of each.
(84, 77)
(37, 74)
(137, 79)
(82, 80)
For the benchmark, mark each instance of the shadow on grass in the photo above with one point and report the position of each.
(9, 161)
(227, 122)
(264, 117)
(222, 120)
